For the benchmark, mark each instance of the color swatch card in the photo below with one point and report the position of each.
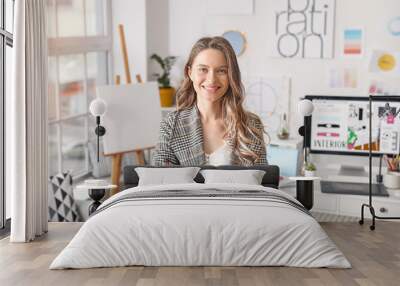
(352, 42)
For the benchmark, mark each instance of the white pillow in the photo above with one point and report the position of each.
(249, 177)
(165, 176)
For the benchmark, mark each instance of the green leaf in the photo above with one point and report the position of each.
(166, 65)
(158, 59)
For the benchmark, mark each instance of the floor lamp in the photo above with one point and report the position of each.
(97, 187)
(305, 185)
(98, 108)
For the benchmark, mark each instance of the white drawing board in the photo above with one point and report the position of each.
(133, 116)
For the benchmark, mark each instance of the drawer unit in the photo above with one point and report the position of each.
(385, 208)
(325, 203)
(352, 206)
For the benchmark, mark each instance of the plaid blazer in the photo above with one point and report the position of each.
(181, 141)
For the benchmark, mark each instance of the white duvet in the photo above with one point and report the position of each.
(200, 231)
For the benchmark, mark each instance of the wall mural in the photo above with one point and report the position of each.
(268, 97)
(303, 28)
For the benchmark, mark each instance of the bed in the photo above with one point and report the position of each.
(201, 224)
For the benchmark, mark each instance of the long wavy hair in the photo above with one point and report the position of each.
(238, 132)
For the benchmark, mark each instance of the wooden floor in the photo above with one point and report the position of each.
(374, 255)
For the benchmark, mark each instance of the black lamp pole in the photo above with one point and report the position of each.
(303, 131)
(100, 131)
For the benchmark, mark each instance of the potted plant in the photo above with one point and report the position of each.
(283, 133)
(309, 170)
(164, 82)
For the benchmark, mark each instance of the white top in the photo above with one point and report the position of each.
(94, 187)
(300, 178)
(221, 156)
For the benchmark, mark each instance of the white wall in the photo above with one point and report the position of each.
(157, 23)
(146, 24)
(189, 21)
(132, 14)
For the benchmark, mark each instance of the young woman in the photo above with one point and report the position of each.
(210, 125)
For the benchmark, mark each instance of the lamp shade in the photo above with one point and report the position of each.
(98, 107)
(306, 107)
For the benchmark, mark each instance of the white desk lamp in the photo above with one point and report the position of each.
(305, 108)
(98, 108)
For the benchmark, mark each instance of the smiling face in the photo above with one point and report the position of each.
(209, 74)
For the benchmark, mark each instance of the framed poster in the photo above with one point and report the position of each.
(303, 28)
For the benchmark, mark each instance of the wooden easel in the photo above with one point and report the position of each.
(117, 158)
